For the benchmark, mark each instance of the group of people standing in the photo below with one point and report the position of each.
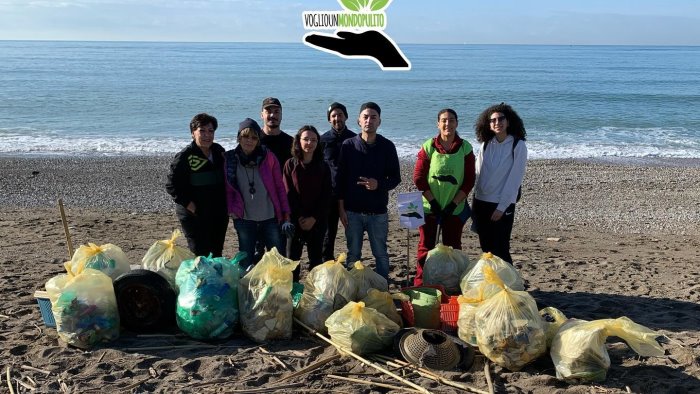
(287, 192)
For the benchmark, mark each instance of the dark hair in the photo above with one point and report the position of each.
(296, 145)
(450, 110)
(516, 128)
(202, 119)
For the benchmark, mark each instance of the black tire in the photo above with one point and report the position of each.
(146, 301)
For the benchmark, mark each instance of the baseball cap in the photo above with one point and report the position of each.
(271, 102)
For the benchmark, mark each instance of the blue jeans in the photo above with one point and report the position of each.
(249, 232)
(377, 227)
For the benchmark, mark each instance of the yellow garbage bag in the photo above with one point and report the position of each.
(327, 288)
(383, 302)
(107, 258)
(509, 328)
(265, 299)
(445, 266)
(360, 329)
(579, 352)
(552, 320)
(84, 307)
(366, 279)
(508, 274)
(468, 305)
(165, 257)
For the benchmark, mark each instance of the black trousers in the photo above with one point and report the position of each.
(331, 231)
(205, 233)
(314, 243)
(494, 237)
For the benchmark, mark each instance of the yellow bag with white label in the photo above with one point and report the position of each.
(579, 352)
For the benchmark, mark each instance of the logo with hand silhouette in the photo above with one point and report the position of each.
(358, 33)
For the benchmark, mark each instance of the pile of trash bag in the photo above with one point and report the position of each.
(165, 257)
(366, 279)
(444, 266)
(107, 258)
(360, 329)
(508, 274)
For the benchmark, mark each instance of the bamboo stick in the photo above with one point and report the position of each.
(198, 346)
(429, 374)
(69, 243)
(311, 367)
(9, 381)
(30, 368)
(372, 383)
(25, 385)
(277, 360)
(360, 359)
(489, 381)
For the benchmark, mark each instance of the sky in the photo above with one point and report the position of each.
(582, 22)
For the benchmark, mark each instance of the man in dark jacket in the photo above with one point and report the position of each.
(331, 141)
(196, 184)
(368, 169)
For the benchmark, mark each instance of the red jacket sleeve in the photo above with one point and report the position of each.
(420, 171)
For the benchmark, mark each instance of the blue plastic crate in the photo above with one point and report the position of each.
(42, 298)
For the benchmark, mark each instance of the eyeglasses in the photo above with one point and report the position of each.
(498, 119)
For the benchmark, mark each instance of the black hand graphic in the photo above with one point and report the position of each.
(370, 43)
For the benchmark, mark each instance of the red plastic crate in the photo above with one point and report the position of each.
(449, 310)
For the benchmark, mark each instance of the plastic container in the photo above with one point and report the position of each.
(297, 292)
(42, 298)
(449, 310)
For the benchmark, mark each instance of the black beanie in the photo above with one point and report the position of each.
(337, 105)
(249, 123)
(371, 105)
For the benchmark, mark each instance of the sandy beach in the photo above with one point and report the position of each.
(594, 239)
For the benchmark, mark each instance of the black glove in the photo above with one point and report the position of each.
(435, 207)
(448, 210)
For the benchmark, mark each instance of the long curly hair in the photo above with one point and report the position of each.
(296, 145)
(516, 128)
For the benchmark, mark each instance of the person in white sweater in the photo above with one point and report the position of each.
(500, 168)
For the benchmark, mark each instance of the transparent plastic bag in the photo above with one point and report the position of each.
(327, 288)
(366, 279)
(383, 302)
(265, 299)
(509, 328)
(165, 257)
(552, 319)
(360, 329)
(508, 274)
(207, 305)
(84, 307)
(579, 352)
(445, 266)
(107, 258)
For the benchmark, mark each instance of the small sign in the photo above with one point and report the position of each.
(411, 210)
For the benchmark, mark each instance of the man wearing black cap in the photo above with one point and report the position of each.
(331, 141)
(278, 142)
(368, 168)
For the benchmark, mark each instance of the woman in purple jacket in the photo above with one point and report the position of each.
(255, 194)
(307, 180)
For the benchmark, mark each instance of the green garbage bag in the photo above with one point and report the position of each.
(207, 305)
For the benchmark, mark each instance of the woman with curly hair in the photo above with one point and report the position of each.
(307, 179)
(500, 168)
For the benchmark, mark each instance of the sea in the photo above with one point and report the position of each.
(137, 98)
